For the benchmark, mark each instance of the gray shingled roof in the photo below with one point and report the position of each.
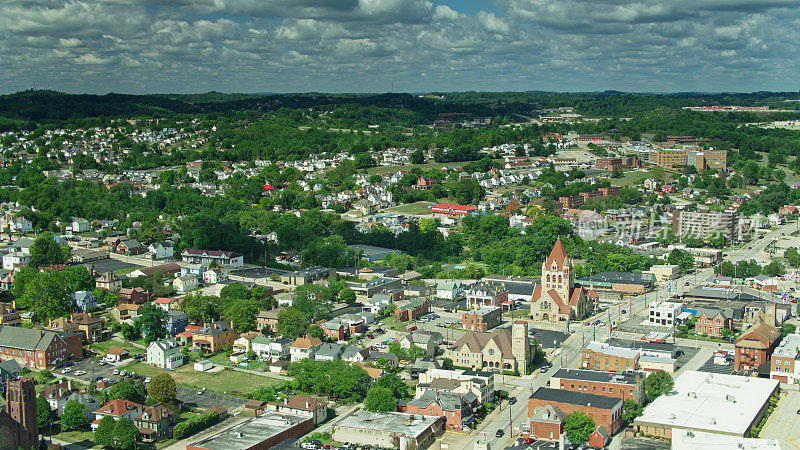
(25, 338)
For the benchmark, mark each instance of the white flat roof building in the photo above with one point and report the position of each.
(699, 440)
(663, 314)
(715, 403)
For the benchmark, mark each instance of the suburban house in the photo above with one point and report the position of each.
(135, 295)
(222, 258)
(155, 423)
(165, 353)
(84, 300)
(215, 275)
(213, 337)
(276, 349)
(109, 282)
(421, 339)
(124, 311)
(56, 395)
(161, 250)
(176, 322)
(8, 315)
(90, 326)
(117, 409)
(130, 247)
(328, 352)
(185, 283)
(244, 343)
(304, 347)
(268, 320)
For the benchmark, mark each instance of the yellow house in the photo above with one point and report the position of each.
(213, 337)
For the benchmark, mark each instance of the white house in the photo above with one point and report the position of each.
(165, 353)
(664, 313)
(449, 290)
(215, 275)
(161, 250)
(185, 283)
(80, 226)
(15, 259)
(222, 258)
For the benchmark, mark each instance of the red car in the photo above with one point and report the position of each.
(412, 329)
(527, 441)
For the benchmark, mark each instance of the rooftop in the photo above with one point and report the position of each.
(699, 440)
(599, 376)
(575, 398)
(250, 433)
(412, 425)
(601, 347)
(711, 402)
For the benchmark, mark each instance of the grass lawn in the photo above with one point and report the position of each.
(76, 436)
(630, 178)
(394, 324)
(225, 381)
(125, 271)
(418, 208)
(102, 347)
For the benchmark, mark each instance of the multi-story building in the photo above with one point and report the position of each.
(308, 275)
(90, 326)
(663, 313)
(268, 320)
(222, 258)
(557, 297)
(481, 319)
(412, 310)
(8, 315)
(155, 423)
(627, 385)
(604, 411)
(165, 353)
(755, 346)
(117, 409)
(499, 350)
(481, 384)
(22, 430)
(712, 321)
(39, 349)
(213, 337)
(706, 224)
(304, 347)
(455, 408)
(486, 293)
(602, 356)
(785, 361)
(302, 405)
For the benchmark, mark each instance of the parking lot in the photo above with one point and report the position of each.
(548, 338)
(520, 444)
(257, 273)
(110, 265)
(784, 423)
(206, 400)
(710, 367)
(93, 369)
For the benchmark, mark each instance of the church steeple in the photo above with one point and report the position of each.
(557, 272)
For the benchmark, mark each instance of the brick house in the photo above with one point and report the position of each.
(90, 326)
(412, 310)
(39, 349)
(481, 319)
(712, 321)
(335, 329)
(605, 411)
(544, 422)
(755, 346)
(268, 319)
(455, 408)
(135, 295)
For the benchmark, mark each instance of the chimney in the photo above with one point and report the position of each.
(285, 401)
(308, 405)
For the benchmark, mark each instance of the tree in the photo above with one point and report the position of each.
(314, 301)
(152, 322)
(792, 256)
(125, 434)
(291, 324)
(74, 415)
(417, 157)
(787, 329)
(398, 350)
(578, 426)
(395, 384)
(682, 258)
(125, 390)
(162, 389)
(104, 433)
(630, 411)
(315, 331)
(46, 252)
(380, 399)
(347, 295)
(657, 383)
(447, 364)
(130, 332)
(774, 269)
(44, 415)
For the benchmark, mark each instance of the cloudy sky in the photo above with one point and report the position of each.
(145, 46)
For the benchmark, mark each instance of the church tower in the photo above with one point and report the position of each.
(21, 406)
(520, 345)
(558, 272)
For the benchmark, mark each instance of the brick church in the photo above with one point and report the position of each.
(557, 298)
(18, 423)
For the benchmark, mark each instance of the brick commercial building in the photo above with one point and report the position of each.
(482, 319)
(712, 321)
(387, 429)
(620, 282)
(602, 356)
(605, 411)
(785, 361)
(612, 164)
(627, 385)
(455, 408)
(692, 155)
(755, 346)
(412, 310)
(39, 349)
(259, 433)
(706, 224)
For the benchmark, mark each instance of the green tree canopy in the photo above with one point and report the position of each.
(630, 411)
(152, 322)
(125, 434)
(657, 383)
(291, 323)
(314, 301)
(46, 252)
(161, 389)
(44, 415)
(104, 433)
(74, 415)
(578, 426)
(380, 399)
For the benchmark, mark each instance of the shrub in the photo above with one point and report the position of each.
(195, 425)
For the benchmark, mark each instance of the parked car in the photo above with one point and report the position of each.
(499, 432)
(80, 372)
(512, 400)
(66, 370)
(412, 328)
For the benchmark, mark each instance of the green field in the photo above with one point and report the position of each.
(225, 381)
(418, 208)
(630, 178)
(102, 347)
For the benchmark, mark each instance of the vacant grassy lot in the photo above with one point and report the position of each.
(219, 382)
(629, 179)
(407, 167)
(102, 347)
(418, 208)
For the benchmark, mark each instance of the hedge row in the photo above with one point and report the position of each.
(195, 425)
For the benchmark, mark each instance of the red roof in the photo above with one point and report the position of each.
(558, 254)
(451, 208)
(163, 300)
(190, 329)
(117, 407)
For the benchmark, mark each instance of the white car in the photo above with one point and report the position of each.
(80, 372)
(309, 446)
(66, 370)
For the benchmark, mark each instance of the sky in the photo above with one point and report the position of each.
(186, 46)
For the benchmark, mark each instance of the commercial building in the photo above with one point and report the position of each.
(620, 282)
(628, 385)
(706, 224)
(709, 402)
(663, 272)
(391, 430)
(39, 349)
(259, 433)
(602, 356)
(462, 381)
(663, 313)
(456, 409)
(785, 361)
(304, 406)
(222, 258)
(481, 319)
(308, 275)
(605, 411)
(692, 155)
(376, 286)
(412, 309)
(700, 440)
(451, 214)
